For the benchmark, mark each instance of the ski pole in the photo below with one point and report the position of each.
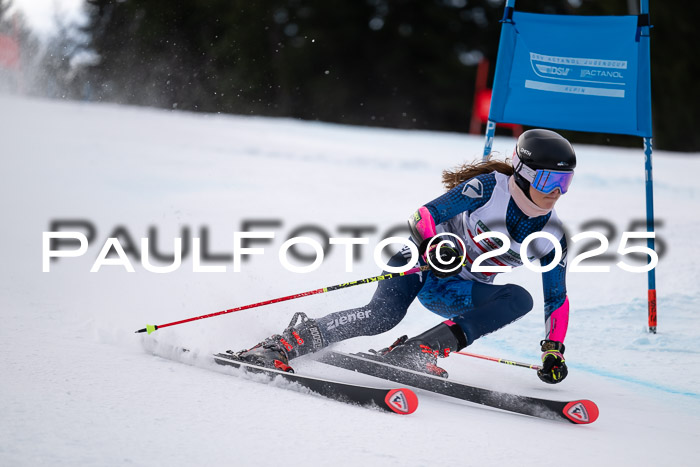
(501, 360)
(151, 328)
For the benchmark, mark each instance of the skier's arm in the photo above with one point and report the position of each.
(459, 199)
(556, 303)
(422, 227)
(556, 315)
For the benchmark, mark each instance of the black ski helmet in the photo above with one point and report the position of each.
(542, 149)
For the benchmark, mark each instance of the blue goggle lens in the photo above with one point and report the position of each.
(546, 181)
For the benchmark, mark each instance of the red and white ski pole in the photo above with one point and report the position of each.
(501, 360)
(153, 327)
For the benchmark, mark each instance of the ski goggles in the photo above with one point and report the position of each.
(543, 180)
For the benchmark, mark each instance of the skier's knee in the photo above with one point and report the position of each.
(520, 299)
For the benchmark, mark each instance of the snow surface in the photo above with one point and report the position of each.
(77, 387)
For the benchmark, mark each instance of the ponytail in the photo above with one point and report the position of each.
(452, 178)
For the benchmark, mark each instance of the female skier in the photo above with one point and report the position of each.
(516, 200)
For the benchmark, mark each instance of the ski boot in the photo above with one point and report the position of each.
(420, 353)
(301, 337)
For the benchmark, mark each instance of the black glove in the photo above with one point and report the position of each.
(553, 367)
(442, 256)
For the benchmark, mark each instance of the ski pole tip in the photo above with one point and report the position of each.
(149, 329)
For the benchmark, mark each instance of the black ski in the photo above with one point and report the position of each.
(578, 411)
(401, 401)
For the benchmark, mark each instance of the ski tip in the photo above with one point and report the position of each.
(581, 412)
(402, 401)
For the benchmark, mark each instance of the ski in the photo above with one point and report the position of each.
(401, 401)
(398, 400)
(577, 411)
